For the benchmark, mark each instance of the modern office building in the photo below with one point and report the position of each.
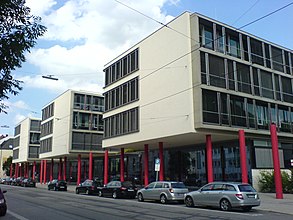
(193, 84)
(71, 135)
(26, 147)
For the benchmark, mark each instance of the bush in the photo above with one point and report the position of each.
(267, 182)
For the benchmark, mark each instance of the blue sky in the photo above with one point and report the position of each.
(83, 35)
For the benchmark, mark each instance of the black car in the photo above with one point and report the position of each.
(89, 187)
(118, 189)
(28, 182)
(18, 181)
(3, 206)
(57, 185)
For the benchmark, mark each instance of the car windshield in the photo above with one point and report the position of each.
(178, 185)
(246, 188)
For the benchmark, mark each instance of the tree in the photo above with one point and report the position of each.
(6, 166)
(19, 31)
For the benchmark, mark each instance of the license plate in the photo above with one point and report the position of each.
(61, 186)
(251, 196)
(130, 190)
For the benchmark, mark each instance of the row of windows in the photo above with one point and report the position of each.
(127, 65)
(229, 110)
(17, 130)
(224, 40)
(122, 123)
(86, 141)
(88, 102)
(46, 145)
(121, 95)
(87, 121)
(47, 128)
(16, 142)
(34, 138)
(225, 73)
(48, 112)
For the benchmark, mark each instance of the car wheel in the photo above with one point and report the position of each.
(3, 211)
(225, 205)
(114, 195)
(77, 191)
(189, 201)
(163, 199)
(140, 197)
(100, 194)
(246, 208)
(48, 188)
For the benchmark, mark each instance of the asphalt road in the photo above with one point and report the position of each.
(40, 204)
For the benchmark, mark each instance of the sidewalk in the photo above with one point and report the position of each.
(268, 201)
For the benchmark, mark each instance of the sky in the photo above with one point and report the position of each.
(83, 35)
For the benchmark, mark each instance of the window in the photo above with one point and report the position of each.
(17, 130)
(262, 115)
(46, 145)
(47, 128)
(277, 58)
(79, 100)
(86, 141)
(48, 112)
(217, 71)
(256, 52)
(210, 107)
(34, 138)
(238, 116)
(267, 56)
(233, 45)
(243, 78)
(231, 75)
(98, 104)
(277, 87)
(15, 154)
(284, 119)
(251, 114)
(256, 81)
(287, 89)
(33, 152)
(219, 40)
(267, 84)
(35, 125)
(203, 68)
(16, 142)
(224, 109)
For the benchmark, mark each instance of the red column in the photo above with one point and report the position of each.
(106, 158)
(146, 164)
(60, 169)
(91, 166)
(209, 157)
(45, 171)
(161, 156)
(64, 168)
(276, 161)
(243, 160)
(122, 165)
(51, 169)
(27, 169)
(41, 172)
(78, 169)
(16, 170)
(34, 170)
(11, 168)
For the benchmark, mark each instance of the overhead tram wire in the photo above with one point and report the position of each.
(241, 16)
(161, 23)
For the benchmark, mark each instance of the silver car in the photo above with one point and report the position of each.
(163, 191)
(224, 195)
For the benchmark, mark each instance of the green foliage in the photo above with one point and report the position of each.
(19, 31)
(6, 165)
(267, 182)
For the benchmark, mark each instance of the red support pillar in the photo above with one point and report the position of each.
(276, 161)
(34, 170)
(51, 169)
(106, 158)
(60, 169)
(91, 166)
(161, 156)
(24, 170)
(243, 160)
(122, 165)
(45, 171)
(27, 169)
(78, 169)
(209, 157)
(41, 172)
(146, 164)
(64, 168)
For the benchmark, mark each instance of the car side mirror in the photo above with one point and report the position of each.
(4, 191)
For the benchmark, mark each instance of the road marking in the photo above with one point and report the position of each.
(16, 215)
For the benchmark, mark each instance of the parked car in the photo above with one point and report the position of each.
(224, 195)
(57, 185)
(8, 180)
(88, 187)
(17, 181)
(28, 182)
(3, 206)
(118, 189)
(163, 191)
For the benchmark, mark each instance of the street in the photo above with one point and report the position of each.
(38, 203)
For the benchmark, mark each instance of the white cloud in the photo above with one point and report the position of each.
(83, 35)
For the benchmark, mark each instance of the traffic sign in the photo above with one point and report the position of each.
(157, 164)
